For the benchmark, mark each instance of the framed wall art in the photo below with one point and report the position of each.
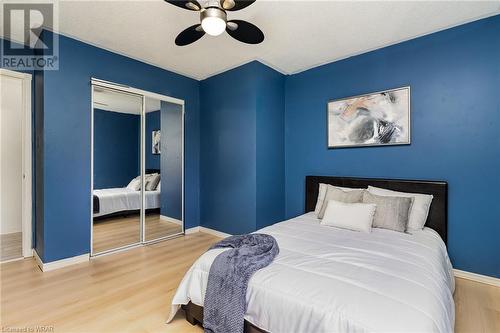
(375, 119)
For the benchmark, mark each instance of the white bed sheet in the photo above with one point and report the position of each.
(112, 200)
(327, 279)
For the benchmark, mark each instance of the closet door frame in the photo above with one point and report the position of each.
(26, 142)
(94, 82)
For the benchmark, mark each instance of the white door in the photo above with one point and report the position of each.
(13, 123)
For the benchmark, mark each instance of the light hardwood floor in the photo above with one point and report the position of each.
(11, 246)
(131, 292)
(120, 231)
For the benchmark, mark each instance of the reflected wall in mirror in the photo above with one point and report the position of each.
(116, 197)
(163, 164)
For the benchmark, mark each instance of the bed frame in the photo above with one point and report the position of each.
(437, 219)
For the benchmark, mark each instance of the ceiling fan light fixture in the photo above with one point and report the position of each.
(213, 21)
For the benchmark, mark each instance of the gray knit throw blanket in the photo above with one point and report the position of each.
(225, 299)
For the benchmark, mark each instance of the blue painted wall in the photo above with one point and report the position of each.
(66, 223)
(152, 124)
(236, 138)
(455, 112)
(228, 149)
(270, 153)
(116, 148)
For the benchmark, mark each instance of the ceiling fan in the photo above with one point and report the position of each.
(214, 21)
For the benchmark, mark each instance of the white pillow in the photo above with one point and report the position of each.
(135, 184)
(321, 198)
(418, 211)
(322, 194)
(352, 216)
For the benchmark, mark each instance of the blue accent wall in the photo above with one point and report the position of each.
(116, 148)
(270, 153)
(152, 124)
(242, 112)
(66, 139)
(455, 116)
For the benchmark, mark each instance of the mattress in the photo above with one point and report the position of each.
(327, 279)
(112, 200)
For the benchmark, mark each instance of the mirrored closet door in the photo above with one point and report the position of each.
(163, 169)
(137, 149)
(116, 199)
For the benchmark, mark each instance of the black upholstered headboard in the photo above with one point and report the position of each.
(438, 214)
(148, 171)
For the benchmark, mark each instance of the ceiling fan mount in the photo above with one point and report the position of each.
(213, 21)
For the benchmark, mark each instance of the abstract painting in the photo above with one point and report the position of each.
(376, 119)
(156, 135)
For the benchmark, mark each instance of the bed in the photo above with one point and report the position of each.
(399, 281)
(123, 201)
(119, 200)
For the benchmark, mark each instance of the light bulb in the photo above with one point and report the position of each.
(213, 26)
(213, 21)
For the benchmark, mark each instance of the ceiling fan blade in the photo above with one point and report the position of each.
(244, 32)
(233, 5)
(189, 5)
(189, 35)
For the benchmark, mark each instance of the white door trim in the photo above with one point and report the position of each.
(26, 160)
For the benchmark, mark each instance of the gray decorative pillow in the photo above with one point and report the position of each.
(334, 193)
(392, 212)
(152, 182)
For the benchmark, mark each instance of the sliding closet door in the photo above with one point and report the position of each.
(117, 187)
(164, 169)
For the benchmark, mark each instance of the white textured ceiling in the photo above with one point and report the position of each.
(299, 34)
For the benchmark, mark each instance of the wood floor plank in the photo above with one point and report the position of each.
(11, 246)
(132, 291)
(115, 232)
(477, 307)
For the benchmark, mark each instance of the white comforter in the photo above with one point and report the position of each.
(112, 200)
(327, 279)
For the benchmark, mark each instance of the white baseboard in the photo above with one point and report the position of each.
(11, 232)
(214, 232)
(12, 260)
(477, 277)
(207, 231)
(170, 219)
(50, 266)
(192, 230)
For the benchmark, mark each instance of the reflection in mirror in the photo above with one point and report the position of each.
(116, 172)
(163, 164)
